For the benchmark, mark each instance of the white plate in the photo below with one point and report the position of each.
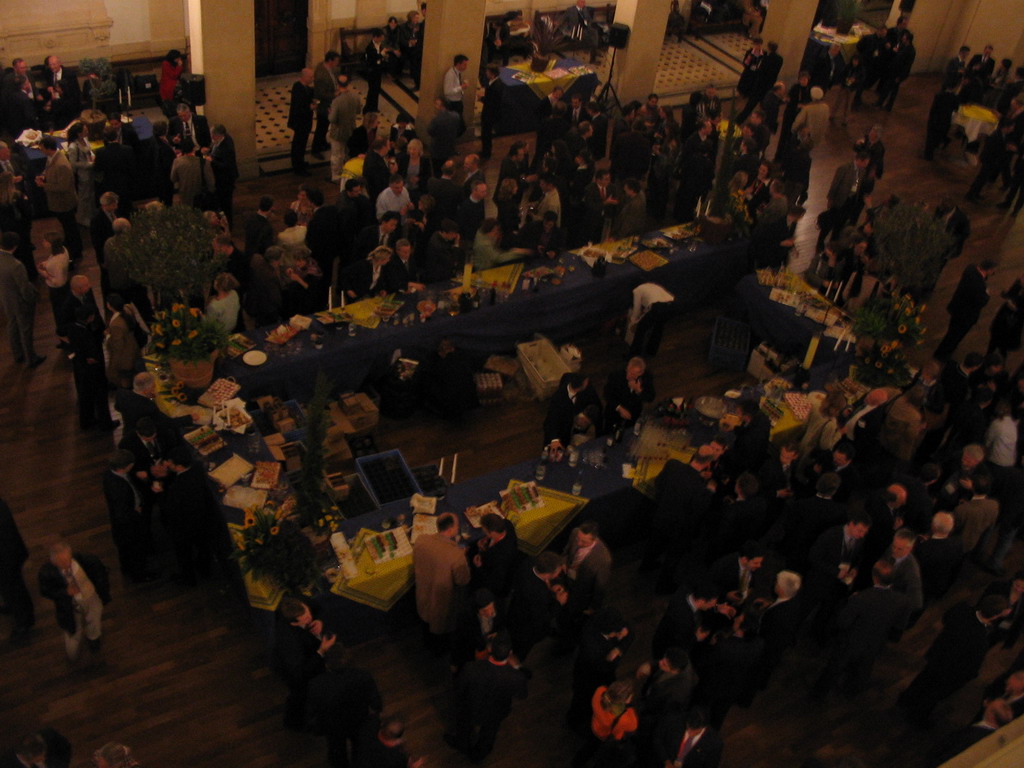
(254, 357)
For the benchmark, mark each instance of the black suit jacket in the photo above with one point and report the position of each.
(294, 653)
(492, 101)
(19, 112)
(259, 234)
(13, 552)
(300, 109)
(827, 553)
(959, 649)
(367, 240)
(447, 196)
(870, 619)
(132, 406)
(468, 639)
(939, 561)
(486, 690)
(398, 275)
(200, 130)
(531, 608)
(224, 164)
(779, 625)
(116, 171)
(188, 505)
(678, 627)
(803, 521)
(341, 700)
(376, 173)
(358, 278)
(323, 237)
(707, 753)
(724, 573)
(682, 500)
(101, 229)
(54, 586)
(562, 411)
(970, 297)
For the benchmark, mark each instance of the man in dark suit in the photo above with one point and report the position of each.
(221, 157)
(297, 655)
(954, 658)
(682, 501)
(101, 227)
(727, 672)
(752, 438)
(735, 574)
(490, 117)
(484, 693)
(471, 211)
(804, 520)
(300, 120)
(939, 557)
(834, 562)
(63, 98)
(940, 119)
(603, 641)
(851, 183)
(1009, 627)
(682, 625)
(19, 110)
(135, 403)
(771, 241)
(868, 620)
(374, 62)
(79, 587)
(128, 523)
(355, 211)
(955, 69)
(688, 741)
(495, 556)
(571, 400)
(116, 171)
(323, 239)
(13, 591)
(446, 193)
(339, 701)
(442, 254)
(385, 233)
(598, 141)
(965, 307)
(997, 714)
(259, 232)
(88, 368)
(187, 125)
(187, 511)
(533, 606)
(376, 170)
(780, 622)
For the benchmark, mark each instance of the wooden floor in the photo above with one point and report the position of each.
(183, 678)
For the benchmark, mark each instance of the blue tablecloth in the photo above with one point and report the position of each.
(561, 312)
(37, 164)
(519, 101)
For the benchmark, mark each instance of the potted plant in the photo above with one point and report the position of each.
(725, 212)
(911, 245)
(99, 86)
(313, 513)
(271, 549)
(547, 41)
(846, 15)
(169, 250)
(190, 342)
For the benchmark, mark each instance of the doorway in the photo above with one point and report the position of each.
(281, 36)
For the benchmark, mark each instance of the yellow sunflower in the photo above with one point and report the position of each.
(193, 333)
(194, 312)
(250, 520)
(176, 323)
(878, 364)
(176, 342)
(902, 329)
(275, 530)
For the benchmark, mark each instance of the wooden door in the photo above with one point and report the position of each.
(280, 36)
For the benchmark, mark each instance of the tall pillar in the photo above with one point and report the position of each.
(637, 64)
(230, 70)
(452, 27)
(789, 24)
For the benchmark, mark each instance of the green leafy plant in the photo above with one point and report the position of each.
(846, 11)
(183, 333)
(546, 38)
(100, 76)
(911, 245)
(271, 548)
(730, 135)
(170, 251)
(309, 489)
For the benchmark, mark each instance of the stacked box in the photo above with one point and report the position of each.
(543, 366)
(488, 387)
(730, 345)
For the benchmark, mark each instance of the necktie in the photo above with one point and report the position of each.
(684, 748)
(383, 239)
(744, 581)
(69, 577)
(186, 129)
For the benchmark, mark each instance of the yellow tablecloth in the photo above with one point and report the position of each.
(378, 585)
(976, 120)
(504, 275)
(537, 528)
(541, 83)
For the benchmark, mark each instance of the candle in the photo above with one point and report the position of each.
(330, 299)
(343, 299)
(455, 465)
(839, 340)
(440, 468)
(812, 349)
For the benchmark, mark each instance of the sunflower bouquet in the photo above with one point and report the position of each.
(271, 548)
(887, 327)
(184, 333)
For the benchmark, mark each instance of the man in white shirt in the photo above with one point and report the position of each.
(454, 86)
(394, 198)
(651, 308)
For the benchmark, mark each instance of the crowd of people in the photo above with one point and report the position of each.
(846, 536)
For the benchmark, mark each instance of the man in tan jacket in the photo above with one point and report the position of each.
(441, 570)
(58, 181)
(814, 116)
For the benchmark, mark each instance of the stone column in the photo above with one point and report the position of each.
(789, 24)
(452, 27)
(636, 66)
(230, 70)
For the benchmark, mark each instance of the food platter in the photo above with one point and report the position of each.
(254, 357)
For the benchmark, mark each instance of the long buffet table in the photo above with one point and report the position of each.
(580, 303)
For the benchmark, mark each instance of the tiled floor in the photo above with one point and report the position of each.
(683, 68)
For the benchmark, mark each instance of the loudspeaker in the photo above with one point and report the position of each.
(194, 89)
(618, 36)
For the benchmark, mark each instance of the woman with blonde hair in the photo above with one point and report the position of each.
(613, 722)
(224, 305)
(415, 168)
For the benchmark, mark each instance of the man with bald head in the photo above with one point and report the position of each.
(138, 402)
(63, 94)
(939, 557)
(79, 587)
(300, 119)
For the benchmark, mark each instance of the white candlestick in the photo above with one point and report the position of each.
(455, 465)
(839, 340)
(440, 468)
